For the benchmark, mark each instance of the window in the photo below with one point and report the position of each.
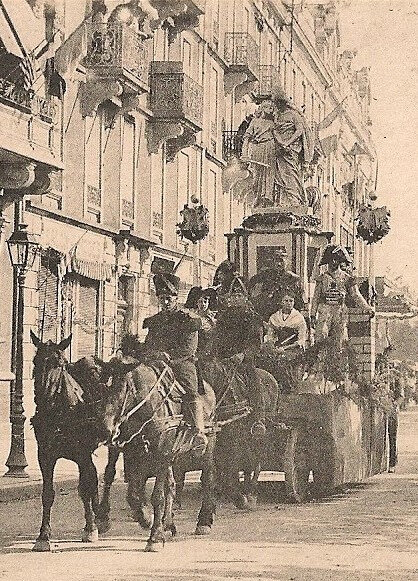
(214, 103)
(93, 165)
(124, 317)
(246, 20)
(270, 53)
(183, 180)
(187, 56)
(127, 172)
(87, 317)
(303, 96)
(48, 313)
(212, 178)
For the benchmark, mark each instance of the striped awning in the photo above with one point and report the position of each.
(90, 269)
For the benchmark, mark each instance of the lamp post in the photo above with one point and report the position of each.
(22, 250)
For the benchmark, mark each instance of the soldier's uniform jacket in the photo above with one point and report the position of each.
(334, 287)
(268, 287)
(175, 332)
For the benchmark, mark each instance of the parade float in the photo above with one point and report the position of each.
(329, 429)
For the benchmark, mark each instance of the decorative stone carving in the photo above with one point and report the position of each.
(177, 15)
(241, 55)
(93, 93)
(15, 176)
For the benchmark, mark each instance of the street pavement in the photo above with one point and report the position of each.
(366, 533)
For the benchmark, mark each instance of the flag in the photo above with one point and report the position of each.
(72, 51)
(332, 116)
(27, 69)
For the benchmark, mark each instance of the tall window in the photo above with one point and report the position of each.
(270, 53)
(183, 180)
(87, 317)
(187, 56)
(48, 314)
(212, 182)
(214, 103)
(93, 165)
(294, 86)
(127, 172)
(246, 20)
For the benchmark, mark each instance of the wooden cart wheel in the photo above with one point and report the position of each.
(296, 466)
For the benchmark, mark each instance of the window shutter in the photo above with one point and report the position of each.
(48, 316)
(86, 318)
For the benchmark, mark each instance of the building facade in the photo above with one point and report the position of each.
(132, 111)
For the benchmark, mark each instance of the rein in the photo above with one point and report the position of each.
(125, 416)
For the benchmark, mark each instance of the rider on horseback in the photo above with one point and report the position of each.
(239, 335)
(174, 331)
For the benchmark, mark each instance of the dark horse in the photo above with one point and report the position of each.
(144, 414)
(236, 448)
(66, 425)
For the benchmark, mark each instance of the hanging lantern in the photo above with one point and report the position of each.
(372, 223)
(195, 222)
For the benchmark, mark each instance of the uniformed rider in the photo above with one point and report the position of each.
(267, 288)
(174, 330)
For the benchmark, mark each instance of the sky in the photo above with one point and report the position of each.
(385, 33)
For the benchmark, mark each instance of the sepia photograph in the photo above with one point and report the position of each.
(209, 290)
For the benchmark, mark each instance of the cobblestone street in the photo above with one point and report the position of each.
(367, 533)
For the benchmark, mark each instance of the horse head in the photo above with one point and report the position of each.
(116, 375)
(51, 378)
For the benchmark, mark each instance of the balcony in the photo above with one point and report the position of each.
(117, 62)
(268, 79)
(231, 145)
(241, 56)
(176, 101)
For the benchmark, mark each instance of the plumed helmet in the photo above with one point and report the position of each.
(166, 283)
(334, 252)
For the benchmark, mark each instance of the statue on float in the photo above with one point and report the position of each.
(277, 145)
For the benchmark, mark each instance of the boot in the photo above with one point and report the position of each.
(200, 440)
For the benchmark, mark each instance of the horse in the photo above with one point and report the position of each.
(66, 425)
(143, 416)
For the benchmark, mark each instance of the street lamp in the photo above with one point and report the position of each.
(22, 250)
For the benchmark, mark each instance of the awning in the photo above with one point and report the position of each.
(27, 28)
(90, 269)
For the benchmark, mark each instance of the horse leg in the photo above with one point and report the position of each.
(251, 487)
(103, 510)
(136, 497)
(88, 491)
(179, 478)
(208, 508)
(170, 494)
(47, 465)
(157, 537)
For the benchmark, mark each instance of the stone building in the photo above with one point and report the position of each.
(133, 111)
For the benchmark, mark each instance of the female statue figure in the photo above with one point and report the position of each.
(259, 151)
(295, 145)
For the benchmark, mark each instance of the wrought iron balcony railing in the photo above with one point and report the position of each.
(241, 53)
(268, 79)
(26, 101)
(116, 51)
(174, 95)
(231, 144)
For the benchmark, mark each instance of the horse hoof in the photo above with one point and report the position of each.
(103, 526)
(242, 502)
(202, 530)
(154, 547)
(170, 531)
(41, 546)
(90, 536)
(252, 502)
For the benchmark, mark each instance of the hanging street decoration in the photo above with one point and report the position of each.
(372, 223)
(195, 221)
